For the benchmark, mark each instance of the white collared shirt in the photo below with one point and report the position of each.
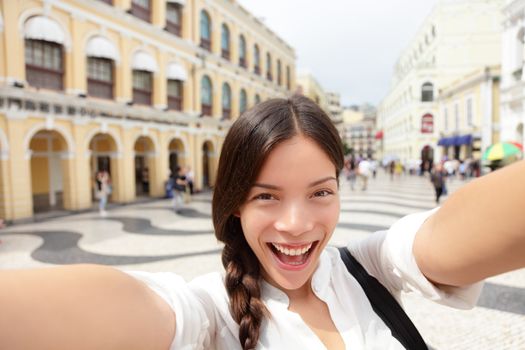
(202, 306)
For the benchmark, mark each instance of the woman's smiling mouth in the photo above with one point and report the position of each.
(292, 257)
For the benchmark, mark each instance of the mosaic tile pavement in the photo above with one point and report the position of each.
(152, 237)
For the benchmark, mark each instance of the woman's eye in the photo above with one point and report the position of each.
(263, 196)
(322, 193)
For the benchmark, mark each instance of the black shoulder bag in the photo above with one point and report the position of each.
(385, 305)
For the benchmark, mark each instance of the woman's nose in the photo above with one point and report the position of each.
(294, 219)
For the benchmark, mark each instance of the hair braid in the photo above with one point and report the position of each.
(242, 285)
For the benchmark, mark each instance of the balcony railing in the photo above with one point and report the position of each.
(40, 77)
(175, 103)
(225, 54)
(142, 97)
(140, 12)
(205, 44)
(100, 89)
(173, 28)
(206, 110)
(26, 101)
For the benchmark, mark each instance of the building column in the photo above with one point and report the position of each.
(158, 14)
(126, 166)
(76, 72)
(123, 80)
(160, 94)
(19, 174)
(81, 176)
(14, 61)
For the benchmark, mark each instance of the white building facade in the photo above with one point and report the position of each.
(456, 38)
(513, 77)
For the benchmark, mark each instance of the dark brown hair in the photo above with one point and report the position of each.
(246, 146)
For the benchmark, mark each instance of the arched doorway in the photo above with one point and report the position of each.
(144, 150)
(176, 155)
(207, 154)
(103, 150)
(48, 170)
(427, 159)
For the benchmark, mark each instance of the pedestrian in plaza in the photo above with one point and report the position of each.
(189, 178)
(145, 180)
(104, 189)
(437, 177)
(275, 207)
(364, 173)
(351, 171)
(178, 184)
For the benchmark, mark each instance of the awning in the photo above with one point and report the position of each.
(182, 2)
(176, 71)
(144, 61)
(43, 28)
(455, 140)
(98, 46)
(379, 135)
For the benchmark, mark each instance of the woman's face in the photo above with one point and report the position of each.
(291, 212)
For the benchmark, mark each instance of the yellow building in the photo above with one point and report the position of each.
(308, 86)
(360, 130)
(124, 85)
(469, 115)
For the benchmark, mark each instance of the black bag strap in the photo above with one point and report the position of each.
(385, 305)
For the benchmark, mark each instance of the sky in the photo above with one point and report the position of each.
(349, 46)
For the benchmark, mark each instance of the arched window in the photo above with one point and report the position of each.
(427, 92)
(175, 94)
(256, 60)
(427, 124)
(143, 65)
(242, 51)
(174, 18)
(226, 101)
(44, 53)
(101, 57)
(205, 30)
(279, 73)
(225, 42)
(176, 75)
(269, 67)
(243, 101)
(206, 96)
(257, 98)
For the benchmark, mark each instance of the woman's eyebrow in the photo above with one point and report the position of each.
(277, 188)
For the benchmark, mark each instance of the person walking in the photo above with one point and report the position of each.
(364, 173)
(189, 178)
(179, 188)
(437, 177)
(104, 189)
(350, 167)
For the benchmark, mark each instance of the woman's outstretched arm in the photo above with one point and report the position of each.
(81, 307)
(478, 232)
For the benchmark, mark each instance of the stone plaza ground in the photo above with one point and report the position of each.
(151, 237)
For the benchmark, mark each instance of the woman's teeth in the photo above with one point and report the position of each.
(292, 252)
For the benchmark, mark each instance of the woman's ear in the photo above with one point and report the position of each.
(237, 214)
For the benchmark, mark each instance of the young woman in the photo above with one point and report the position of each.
(275, 207)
